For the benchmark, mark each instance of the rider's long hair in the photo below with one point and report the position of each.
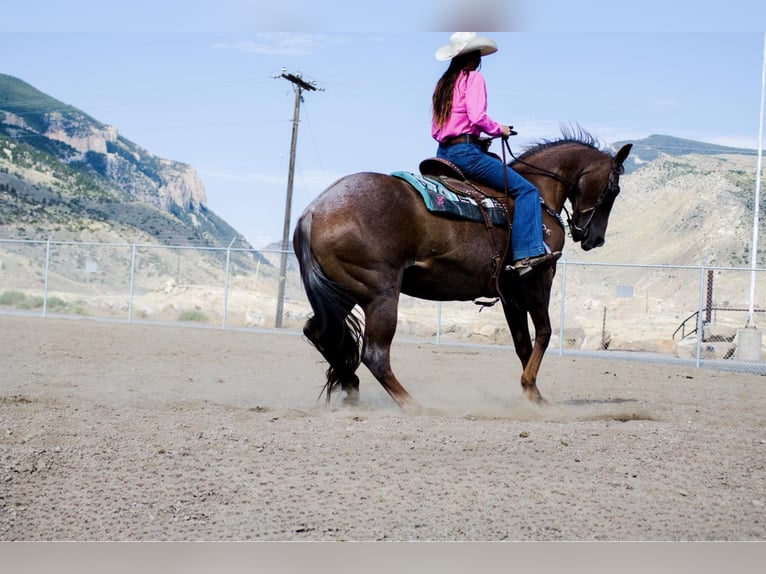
(441, 101)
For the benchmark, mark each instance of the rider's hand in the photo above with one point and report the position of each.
(508, 131)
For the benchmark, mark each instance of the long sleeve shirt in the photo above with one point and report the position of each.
(469, 110)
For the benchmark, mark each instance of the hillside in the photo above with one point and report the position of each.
(681, 210)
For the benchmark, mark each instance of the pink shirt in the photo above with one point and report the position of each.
(469, 110)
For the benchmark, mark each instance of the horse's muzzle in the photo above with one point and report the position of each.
(591, 233)
(592, 242)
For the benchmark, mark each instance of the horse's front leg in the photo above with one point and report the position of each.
(517, 323)
(529, 375)
(537, 293)
(530, 296)
(522, 342)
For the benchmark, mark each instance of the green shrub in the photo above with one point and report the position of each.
(21, 300)
(193, 316)
(12, 298)
(56, 304)
(32, 303)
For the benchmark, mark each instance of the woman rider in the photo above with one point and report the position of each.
(459, 118)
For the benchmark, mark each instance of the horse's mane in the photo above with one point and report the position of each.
(569, 134)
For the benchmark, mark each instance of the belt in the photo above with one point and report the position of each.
(464, 138)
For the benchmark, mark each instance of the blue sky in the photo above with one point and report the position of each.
(197, 85)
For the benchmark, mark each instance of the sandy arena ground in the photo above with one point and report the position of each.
(140, 432)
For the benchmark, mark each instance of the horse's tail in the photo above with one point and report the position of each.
(333, 328)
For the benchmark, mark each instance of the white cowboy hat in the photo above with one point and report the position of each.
(464, 42)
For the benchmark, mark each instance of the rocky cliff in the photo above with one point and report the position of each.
(62, 169)
(164, 183)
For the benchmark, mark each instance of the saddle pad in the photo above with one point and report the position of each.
(442, 201)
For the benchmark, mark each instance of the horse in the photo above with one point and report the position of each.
(368, 237)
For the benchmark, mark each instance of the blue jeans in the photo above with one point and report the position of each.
(527, 226)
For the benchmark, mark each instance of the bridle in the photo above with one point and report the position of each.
(609, 192)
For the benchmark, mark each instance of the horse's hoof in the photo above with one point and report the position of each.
(536, 398)
(351, 399)
(412, 408)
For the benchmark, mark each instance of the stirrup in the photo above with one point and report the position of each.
(524, 266)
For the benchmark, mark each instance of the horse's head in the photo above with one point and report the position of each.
(592, 201)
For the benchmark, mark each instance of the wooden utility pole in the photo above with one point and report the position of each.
(300, 85)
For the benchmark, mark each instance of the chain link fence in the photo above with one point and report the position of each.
(697, 315)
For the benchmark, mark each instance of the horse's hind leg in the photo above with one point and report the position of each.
(380, 325)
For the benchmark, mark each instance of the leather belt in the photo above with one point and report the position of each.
(463, 138)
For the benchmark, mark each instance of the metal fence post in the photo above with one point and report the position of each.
(132, 281)
(563, 304)
(700, 304)
(226, 282)
(47, 267)
(438, 322)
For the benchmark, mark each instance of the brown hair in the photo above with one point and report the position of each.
(441, 101)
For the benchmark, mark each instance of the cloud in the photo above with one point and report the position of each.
(280, 44)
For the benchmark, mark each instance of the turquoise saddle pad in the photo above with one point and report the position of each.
(441, 201)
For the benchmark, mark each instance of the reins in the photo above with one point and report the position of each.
(546, 172)
(537, 168)
(539, 171)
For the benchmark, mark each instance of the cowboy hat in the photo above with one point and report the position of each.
(464, 42)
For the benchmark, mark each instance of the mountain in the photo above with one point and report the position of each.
(684, 202)
(63, 171)
(650, 148)
(694, 202)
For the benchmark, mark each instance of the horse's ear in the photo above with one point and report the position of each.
(622, 155)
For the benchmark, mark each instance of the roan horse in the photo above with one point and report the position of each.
(369, 237)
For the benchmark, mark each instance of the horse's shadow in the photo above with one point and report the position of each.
(593, 409)
(581, 410)
(586, 402)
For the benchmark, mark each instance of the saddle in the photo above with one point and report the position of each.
(487, 199)
(447, 192)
